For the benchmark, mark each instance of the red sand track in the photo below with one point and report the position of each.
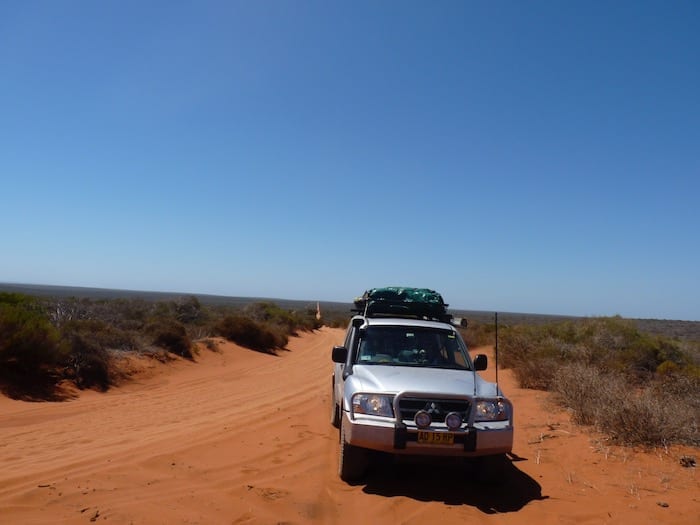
(244, 437)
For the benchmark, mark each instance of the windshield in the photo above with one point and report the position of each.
(412, 346)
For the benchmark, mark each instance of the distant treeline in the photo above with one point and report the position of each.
(338, 313)
(80, 292)
(682, 330)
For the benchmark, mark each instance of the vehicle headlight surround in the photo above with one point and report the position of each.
(423, 419)
(491, 410)
(373, 404)
(453, 420)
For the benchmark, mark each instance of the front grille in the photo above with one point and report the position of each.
(438, 408)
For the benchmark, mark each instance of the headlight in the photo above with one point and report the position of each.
(491, 410)
(373, 404)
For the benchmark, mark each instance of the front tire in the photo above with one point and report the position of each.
(352, 461)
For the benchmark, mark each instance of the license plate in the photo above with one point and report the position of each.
(436, 438)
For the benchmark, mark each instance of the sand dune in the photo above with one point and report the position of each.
(244, 437)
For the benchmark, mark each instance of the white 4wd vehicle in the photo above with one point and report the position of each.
(404, 384)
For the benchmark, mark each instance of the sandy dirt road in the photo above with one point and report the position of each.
(244, 437)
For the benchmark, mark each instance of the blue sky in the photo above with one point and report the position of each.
(537, 157)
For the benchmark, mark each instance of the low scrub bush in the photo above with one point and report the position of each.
(639, 389)
(646, 415)
(44, 341)
(30, 348)
(610, 344)
(529, 351)
(88, 364)
(170, 335)
(681, 384)
(251, 334)
(288, 322)
(212, 345)
(102, 334)
(189, 310)
(337, 321)
(478, 334)
(587, 391)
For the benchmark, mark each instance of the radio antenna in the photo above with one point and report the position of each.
(495, 315)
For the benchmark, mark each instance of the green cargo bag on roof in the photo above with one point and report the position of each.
(419, 302)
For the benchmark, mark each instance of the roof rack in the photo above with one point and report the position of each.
(394, 301)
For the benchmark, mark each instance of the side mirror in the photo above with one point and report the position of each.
(340, 354)
(481, 362)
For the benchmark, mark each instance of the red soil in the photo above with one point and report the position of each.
(244, 437)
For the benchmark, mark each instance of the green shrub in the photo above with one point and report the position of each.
(532, 354)
(28, 341)
(102, 334)
(337, 321)
(286, 321)
(88, 363)
(189, 310)
(611, 344)
(30, 348)
(170, 335)
(251, 334)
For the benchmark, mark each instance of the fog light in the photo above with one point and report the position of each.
(453, 421)
(422, 419)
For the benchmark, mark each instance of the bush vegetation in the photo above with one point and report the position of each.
(478, 334)
(336, 319)
(637, 388)
(44, 342)
(88, 363)
(31, 349)
(171, 335)
(251, 334)
(287, 321)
